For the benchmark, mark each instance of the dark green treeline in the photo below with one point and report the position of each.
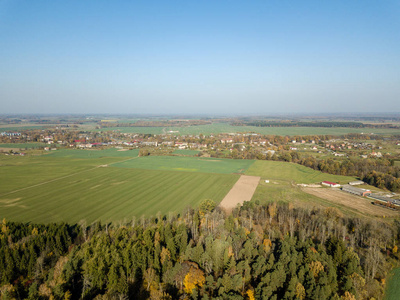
(265, 251)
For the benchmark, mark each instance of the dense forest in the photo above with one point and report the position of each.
(260, 251)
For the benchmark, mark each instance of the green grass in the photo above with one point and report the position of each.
(292, 172)
(22, 127)
(25, 145)
(111, 194)
(217, 128)
(85, 153)
(186, 152)
(19, 172)
(188, 164)
(392, 291)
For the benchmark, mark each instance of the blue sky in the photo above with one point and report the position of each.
(219, 56)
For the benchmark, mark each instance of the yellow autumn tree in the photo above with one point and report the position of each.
(316, 267)
(267, 245)
(300, 291)
(348, 296)
(250, 294)
(194, 278)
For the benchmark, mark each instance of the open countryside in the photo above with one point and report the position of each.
(111, 185)
(217, 128)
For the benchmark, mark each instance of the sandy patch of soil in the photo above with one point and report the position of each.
(123, 150)
(243, 190)
(361, 204)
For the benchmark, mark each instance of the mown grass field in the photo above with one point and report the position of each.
(392, 291)
(20, 172)
(70, 185)
(282, 187)
(92, 153)
(111, 194)
(292, 172)
(217, 128)
(186, 152)
(187, 164)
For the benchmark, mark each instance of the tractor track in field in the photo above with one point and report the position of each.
(63, 177)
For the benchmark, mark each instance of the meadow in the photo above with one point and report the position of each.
(392, 291)
(112, 185)
(292, 172)
(107, 185)
(186, 152)
(86, 153)
(187, 164)
(217, 128)
(112, 194)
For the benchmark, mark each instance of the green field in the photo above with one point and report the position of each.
(85, 153)
(20, 172)
(25, 145)
(112, 185)
(217, 128)
(108, 185)
(283, 179)
(392, 291)
(186, 152)
(188, 164)
(292, 172)
(111, 194)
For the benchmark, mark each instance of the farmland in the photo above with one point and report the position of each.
(110, 194)
(188, 164)
(112, 152)
(108, 185)
(217, 128)
(292, 172)
(186, 152)
(393, 288)
(111, 185)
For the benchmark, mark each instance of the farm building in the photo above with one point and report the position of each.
(356, 191)
(384, 199)
(331, 184)
(358, 182)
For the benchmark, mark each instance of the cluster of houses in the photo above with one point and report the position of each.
(10, 134)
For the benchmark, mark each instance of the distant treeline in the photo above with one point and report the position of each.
(261, 251)
(311, 124)
(150, 123)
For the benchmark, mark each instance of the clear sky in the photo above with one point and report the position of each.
(199, 56)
